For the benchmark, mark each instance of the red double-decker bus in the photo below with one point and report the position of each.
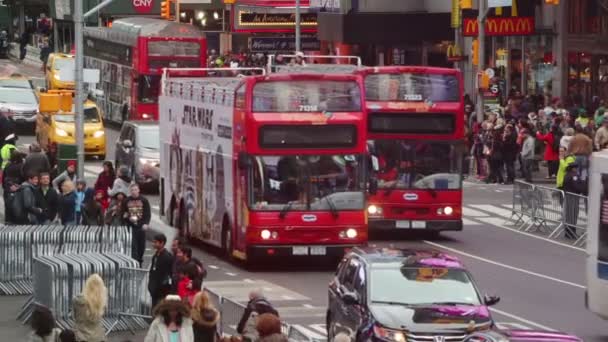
(131, 55)
(268, 165)
(416, 142)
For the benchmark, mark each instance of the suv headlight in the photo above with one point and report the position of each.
(389, 334)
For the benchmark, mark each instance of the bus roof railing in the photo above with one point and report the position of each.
(202, 72)
(272, 58)
(315, 69)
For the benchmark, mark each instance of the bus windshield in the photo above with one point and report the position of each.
(148, 88)
(306, 96)
(311, 182)
(412, 87)
(403, 164)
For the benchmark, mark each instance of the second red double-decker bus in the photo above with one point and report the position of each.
(416, 143)
(131, 55)
(265, 165)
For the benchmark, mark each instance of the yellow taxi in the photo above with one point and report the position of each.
(56, 63)
(58, 127)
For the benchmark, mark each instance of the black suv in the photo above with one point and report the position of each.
(396, 295)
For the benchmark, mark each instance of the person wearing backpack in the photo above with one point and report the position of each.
(551, 140)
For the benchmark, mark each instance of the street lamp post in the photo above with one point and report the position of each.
(481, 21)
(79, 18)
(298, 27)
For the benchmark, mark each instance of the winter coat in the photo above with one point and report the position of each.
(510, 148)
(52, 337)
(160, 272)
(121, 184)
(30, 206)
(58, 181)
(601, 137)
(204, 325)
(113, 216)
(137, 210)
(561, 171)
(92, 214)
(36, 163)
(88, 327)
(12, 172)
(548, 139)
(158, 331)
(247, 324)
(527, 149)
(49, 203)
(565, 142)
(581, 144)
(67, 208)
(104, 182)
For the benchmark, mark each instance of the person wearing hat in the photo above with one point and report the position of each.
(572, 184)
(7, 148)
(68, 174)
(601, 136)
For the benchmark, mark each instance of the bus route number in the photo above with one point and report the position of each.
(309, 108)
(412, 97)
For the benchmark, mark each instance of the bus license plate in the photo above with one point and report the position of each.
(299, 250)
(318, 250)
(402, 224)
(418, 224)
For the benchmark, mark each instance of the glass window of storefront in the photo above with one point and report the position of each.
(539, 64)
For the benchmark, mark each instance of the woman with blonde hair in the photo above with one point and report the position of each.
(89, 308)
(204, 318)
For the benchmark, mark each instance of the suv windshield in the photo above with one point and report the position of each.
(308, 182)
(403, 164)
(412, 285)
(21, 96)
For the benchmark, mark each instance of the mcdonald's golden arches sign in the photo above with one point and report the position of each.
(496, 26)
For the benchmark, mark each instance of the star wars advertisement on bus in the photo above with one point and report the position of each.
(603, 231)
(196, 162)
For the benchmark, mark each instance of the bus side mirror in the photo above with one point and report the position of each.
(373, 186)
(244, 161)
(375, 163)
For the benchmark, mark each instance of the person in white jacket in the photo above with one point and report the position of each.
(172, 322)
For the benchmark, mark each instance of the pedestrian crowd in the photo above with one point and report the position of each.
(250, 60)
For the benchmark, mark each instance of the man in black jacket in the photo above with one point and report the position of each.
(137, 215)
(573, 187)
(183, 258)
(256, 306)
(31, 209)
(36, 161)
(159, 284)
(48, 199)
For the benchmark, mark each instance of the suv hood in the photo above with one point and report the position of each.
(432, 318)
(20, 107)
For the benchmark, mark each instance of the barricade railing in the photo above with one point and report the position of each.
(549, 211)
(19, 245)
(59, 278)
(136, 303)
(231, 312)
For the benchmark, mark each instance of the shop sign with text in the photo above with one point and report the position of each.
(498, 26)
(264, 44)
(275, 19)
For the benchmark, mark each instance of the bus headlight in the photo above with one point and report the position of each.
(448, 210)
(351, 233)
(146, 116)
(265, 234)
(374, 210)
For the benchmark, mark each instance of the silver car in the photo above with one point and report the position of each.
(138, 148)
(20, 103)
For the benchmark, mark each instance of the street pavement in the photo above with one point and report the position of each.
(541, 282)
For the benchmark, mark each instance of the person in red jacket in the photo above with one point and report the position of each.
(185, 288)
(551, 140)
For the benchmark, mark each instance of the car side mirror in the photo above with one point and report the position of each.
(373, 186)
(244, 161)
(127, 143)
(491, 300)
(350, 298)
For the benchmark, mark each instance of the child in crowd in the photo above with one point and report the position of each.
(81, 187)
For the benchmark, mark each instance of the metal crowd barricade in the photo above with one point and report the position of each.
(523, 208)
(575, 215)
(59, 278)
(547, 209)
(231, 315)
(19, 245)
(133, 299)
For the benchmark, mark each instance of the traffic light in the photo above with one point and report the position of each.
(466, 4)
(165, 9)
(475, 52)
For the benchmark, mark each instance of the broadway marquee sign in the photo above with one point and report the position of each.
(275, 19)
(499, 26)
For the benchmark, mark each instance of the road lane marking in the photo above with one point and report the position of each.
(213, 267)
(308, 306)
(521, 319)
(321, 328)
(470, 212)
(308, 332)
(286, 297)
(247, 280)
(496, 263)
(231, 274)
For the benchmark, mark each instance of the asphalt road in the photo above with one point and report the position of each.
(541, 282)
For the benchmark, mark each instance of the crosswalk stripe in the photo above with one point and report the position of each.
(493, 209)
(321, 328)
(309, 332)
(470, 212)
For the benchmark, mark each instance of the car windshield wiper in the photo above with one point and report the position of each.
(388, 302)
(285, 209)
(332, 207)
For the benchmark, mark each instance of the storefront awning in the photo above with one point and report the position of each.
(384, 28)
